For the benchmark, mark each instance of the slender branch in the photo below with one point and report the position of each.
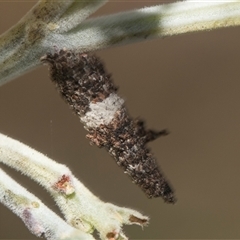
(72, 17)
(39, 219)
(22, 47)
(79, 206)
(147, 23)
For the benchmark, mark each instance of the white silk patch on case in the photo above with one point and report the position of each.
(102, 112)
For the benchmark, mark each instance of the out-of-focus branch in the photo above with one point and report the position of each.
(151, 22)
(60, 24)
(21, 46)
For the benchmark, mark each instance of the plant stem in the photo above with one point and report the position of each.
(39, 219)
(81, 209)
(22, 47)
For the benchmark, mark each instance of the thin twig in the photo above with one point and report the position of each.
(79, 206)
(32, 38)
(38, 218)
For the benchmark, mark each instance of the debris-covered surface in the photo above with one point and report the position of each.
(90, 92)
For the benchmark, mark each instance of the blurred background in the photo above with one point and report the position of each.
(188, 84)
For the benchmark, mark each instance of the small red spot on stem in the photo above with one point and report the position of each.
(64, 185)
